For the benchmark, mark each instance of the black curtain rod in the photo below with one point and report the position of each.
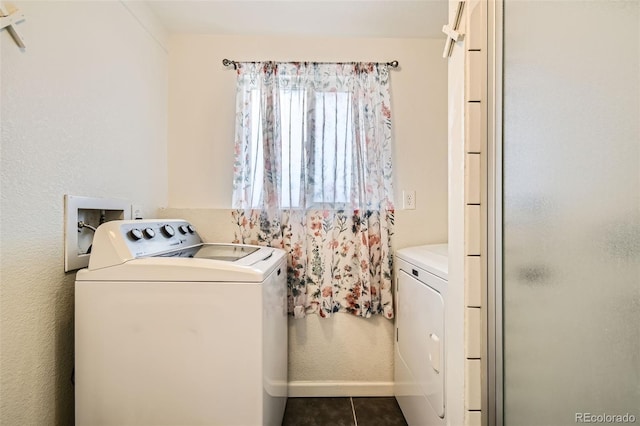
(228, 63)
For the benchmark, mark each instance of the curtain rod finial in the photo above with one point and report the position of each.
(227, 63)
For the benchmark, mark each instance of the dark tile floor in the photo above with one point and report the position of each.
(356, 411)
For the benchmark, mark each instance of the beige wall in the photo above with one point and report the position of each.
(344, 354)
(84, 112)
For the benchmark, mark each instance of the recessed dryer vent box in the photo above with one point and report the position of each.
(82, 216)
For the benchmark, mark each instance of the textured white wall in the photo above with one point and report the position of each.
(84, 112)
(344, 353)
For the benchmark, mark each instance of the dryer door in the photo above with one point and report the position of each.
(421, 334)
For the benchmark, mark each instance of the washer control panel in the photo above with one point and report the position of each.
(118, 241)
(150, 237)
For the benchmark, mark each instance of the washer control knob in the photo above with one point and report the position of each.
(135, 234)
(168, 230)
(191, 229)
(183, 229)
(149, 233)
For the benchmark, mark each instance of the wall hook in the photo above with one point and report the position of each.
(9, 21)
(451, 30)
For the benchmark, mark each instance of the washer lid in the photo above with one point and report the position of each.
(226, 252)
(252, 268)
(433, 258)
(171, 250)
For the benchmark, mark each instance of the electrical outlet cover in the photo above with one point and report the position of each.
(409, 200)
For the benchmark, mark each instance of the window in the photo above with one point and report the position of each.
(312, 136)
(320, 157)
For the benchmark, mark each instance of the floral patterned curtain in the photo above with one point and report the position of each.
(313, 175)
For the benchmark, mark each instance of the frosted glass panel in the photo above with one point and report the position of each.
(571, 306)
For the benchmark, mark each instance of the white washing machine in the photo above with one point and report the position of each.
(173, 331)
(421, 294)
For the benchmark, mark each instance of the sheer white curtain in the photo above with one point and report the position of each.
(313, 175)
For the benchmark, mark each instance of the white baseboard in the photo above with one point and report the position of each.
(330, 388)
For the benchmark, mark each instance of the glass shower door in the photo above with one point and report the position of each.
(571, 212)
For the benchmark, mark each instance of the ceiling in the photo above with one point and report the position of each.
(337, 18)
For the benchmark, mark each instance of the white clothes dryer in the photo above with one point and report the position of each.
(173, 331)
(421, 294)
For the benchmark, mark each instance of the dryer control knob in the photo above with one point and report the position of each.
(168, 230)
(183, 229)
(150, 233)
(135, 234)
(191, 229)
